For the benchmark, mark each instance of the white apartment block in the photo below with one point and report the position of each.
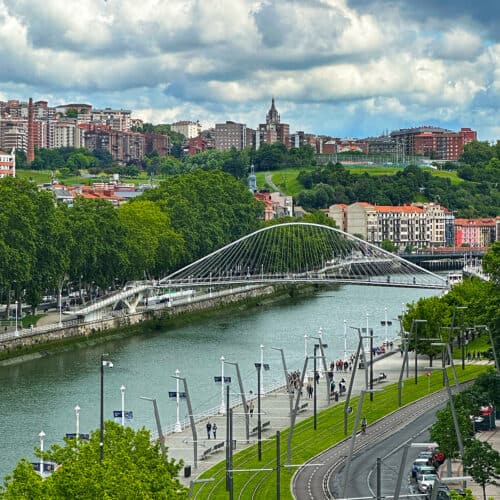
(13, 134)
(188, 129)
(67, 134)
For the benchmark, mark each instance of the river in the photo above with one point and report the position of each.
(41, 394)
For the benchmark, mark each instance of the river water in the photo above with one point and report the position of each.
(41, 394)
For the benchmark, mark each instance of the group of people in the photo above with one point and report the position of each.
(211, 428)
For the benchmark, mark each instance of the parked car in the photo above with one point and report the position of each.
(419, 462)
(425, 469)
(426, 482)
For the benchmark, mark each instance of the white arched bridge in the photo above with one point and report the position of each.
(295, 252)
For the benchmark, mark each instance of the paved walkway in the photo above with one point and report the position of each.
(275, 410)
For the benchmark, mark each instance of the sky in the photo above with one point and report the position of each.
(347, 68)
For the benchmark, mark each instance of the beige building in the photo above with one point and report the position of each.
(188, 129)
(402, 225)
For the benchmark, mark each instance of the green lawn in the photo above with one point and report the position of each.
(447, 174)
(307, 443)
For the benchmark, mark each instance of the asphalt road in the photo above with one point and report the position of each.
(326, 480)
(363, 476)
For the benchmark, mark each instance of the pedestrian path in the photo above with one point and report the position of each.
(275, 414)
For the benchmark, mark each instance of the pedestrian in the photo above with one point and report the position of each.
(209, 428)
(363, 425)
(251, 407)
(214, 430)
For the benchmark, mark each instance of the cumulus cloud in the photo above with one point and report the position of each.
(390, 61)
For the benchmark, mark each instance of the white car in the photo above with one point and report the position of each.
(426, 481)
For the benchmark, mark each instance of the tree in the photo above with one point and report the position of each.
(388, 246)
(482, 462)
(133, 467)
(491, 262)
(477, 153)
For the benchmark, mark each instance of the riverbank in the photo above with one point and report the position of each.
(50, 336)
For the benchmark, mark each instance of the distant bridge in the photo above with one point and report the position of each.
(295, 252)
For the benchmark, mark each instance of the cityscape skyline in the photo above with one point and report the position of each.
(349, 68)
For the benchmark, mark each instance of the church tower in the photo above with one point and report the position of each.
(272, 117)
(252, 180)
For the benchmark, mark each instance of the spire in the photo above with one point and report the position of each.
(273, 117)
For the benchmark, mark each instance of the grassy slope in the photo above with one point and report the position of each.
(307, 443)
(286, 179)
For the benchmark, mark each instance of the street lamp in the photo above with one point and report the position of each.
(109, 364)
(122, 389)
(462, 340)
(416, 322)
(77, 413)
(259, 367)
(315, 375)
(177, 427)
(261, 383)
(158, 424)
(305, 345)
(222, 410)
(492, 345)
(16, 332)
(41, 436)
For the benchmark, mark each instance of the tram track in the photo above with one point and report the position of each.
(315, 483)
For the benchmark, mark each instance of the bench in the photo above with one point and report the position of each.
(264, 426)
(303, 407)
(211, 450)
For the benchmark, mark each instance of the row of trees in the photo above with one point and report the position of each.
(480, 460)
(45, 246)
(335, 184)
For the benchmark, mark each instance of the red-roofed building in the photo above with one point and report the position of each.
(417, 225)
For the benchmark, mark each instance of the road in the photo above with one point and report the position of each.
(363, 480)
(315, 482)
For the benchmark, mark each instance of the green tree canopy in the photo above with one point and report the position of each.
(482, 462)
(133, 467)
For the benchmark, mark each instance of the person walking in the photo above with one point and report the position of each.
(363, 425)
(214, 430)
(251, 408)
(209, 428)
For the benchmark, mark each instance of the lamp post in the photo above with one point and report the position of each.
(320, 346)
(77, 413)
(122, 389)
(177, 427)
(60, 304)
(222, 410)
(158, 424)
(16, 302)
(462, 340)
(261, 383)
(260, 366)
(345, 340)
(109, 364)
(416, 322)
(41, 436)
(305, 345)
(492, 345)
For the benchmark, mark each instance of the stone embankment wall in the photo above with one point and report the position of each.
(33, 341)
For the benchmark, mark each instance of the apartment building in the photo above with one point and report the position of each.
(117, 119)
(7, 164)
(475, 232)
(188, 129)
(13, 134)
(417, 225)
(229, 135)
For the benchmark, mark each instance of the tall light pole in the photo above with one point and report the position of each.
(492, 345)
(305, 345)
(122, 389)
(462, 339)
(222, 410)
(41, 436)
(261, 384)
(345, 340)
(158, 424)
(77, 413)
(60, 304)
(16, 302)
(259, 428)
(416, 322)
(109, 364)
(177, 427)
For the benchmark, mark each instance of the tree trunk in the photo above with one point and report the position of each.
(484, 491)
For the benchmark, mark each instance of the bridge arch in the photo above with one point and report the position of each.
(303, 252)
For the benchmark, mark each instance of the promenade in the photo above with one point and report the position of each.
(275, 413)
